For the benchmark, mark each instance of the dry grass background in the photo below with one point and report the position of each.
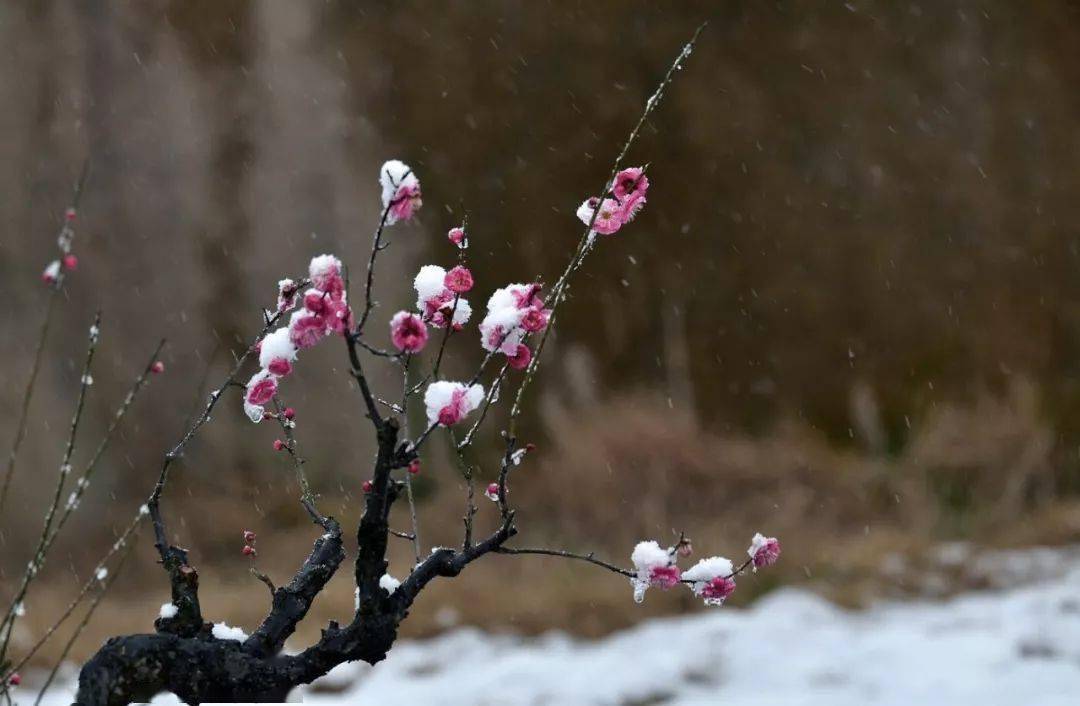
(848, 315)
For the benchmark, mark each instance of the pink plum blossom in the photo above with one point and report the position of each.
(448, 403)
(716, 591)
(521, 357)
(711, 579)
(459, 280)
(286, 295)
(608, 220)
(664, 576)
(765, 551)
(280, 367)
(492, 492)
(401, 195)
(261, 388)
(408, 332)
(629, 190)
(457, 237)
(652, 566)
(306, 330)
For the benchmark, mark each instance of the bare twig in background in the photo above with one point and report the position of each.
(28, 393)
(38, 559)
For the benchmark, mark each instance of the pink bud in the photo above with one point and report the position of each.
(289, 413)
(157, 367)
(414, 466)
(15, 679)
(71, 262)
(367, 486)
(249, 536)
(248, 550)
(314, 302)
(278, 444)
(456, 236)
(492, 492)
(69, 214)
(530, 447)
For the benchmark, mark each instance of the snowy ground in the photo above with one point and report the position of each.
(1020, 646)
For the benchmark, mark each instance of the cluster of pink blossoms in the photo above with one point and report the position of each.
(512, 312)
(400, 191)
(712, 578)
(626, 199)
(325, 310)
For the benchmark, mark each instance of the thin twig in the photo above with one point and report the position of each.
(34, 566)
(584, 245)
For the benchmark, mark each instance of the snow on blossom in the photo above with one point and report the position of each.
(764, 550)
(626, 200)
(226, 632)
(324, 271)
(608, 221)
(653, 566)
(286, 295)
(401, 195)
(388, 583)
(449, 402)
(408, 332)
(101, 573)
(261, 388)
(711, 579)
(435, 300)
(513, 310)
(52, 272)
(457, 237)
(492, 492)
(276, 347)
(326, 310)
(168, 611)
(501, 331)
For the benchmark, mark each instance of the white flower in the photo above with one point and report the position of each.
(101, 573)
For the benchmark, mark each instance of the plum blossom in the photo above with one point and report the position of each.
(457, 237)
(408, 332)
(277, 348)
(261, 388)
(513, 311)
(521, 357)
(711, 579)
(449, 402)
(286, 295)
(764, 550)
(459, 280)
(629, 189)
(168, 610)
(401, 195)
(654, 566)
(325, 311)
(626, 200)
(435, 300)
(492, 492)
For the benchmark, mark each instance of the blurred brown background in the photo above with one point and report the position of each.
(847, 316)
